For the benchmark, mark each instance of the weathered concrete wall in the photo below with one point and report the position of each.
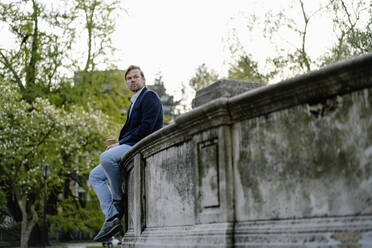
(283, 165)
(306, 161)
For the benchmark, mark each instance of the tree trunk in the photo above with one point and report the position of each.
(26, 225)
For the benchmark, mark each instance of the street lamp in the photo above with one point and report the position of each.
(45, 175)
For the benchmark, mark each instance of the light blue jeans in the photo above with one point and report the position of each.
(109, 169)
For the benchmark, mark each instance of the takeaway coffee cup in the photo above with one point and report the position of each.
(110, 142)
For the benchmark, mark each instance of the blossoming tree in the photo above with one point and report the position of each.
(35, 133)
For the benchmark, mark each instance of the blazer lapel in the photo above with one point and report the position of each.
(133, 106)
(129, 110)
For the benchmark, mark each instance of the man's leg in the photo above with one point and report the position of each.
(98, 180)
(108, 169)
(110, 160)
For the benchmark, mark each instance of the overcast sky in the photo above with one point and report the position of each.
(174, 37)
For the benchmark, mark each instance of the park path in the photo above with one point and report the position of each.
(83, 245)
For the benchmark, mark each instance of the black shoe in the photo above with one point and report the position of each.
(119, 207)
(109, 229)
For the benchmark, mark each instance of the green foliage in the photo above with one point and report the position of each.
(46, 118)
(288, 32)
(32, 134)
(203, 77)
(99, 23)
(72, 216)
(42, 36)
(353, 37)
(46, 44)
(246, 70)
(101, 90)
(3, 207)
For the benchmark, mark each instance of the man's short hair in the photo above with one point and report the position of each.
(133, 67)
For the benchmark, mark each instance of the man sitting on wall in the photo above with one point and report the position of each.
(144, 116)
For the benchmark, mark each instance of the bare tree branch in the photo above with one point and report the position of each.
(304, 32)
(9, 66)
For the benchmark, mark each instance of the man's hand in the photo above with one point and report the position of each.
(111, 146)
(110, 143)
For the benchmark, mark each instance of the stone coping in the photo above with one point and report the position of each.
(222, 88)
(311, 88)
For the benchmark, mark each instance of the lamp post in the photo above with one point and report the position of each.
(45, 175)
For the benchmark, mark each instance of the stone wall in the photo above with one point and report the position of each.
(281, 165)
(222, 88)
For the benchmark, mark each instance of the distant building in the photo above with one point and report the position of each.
(167, 100)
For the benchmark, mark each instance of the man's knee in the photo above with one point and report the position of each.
(105, 158)
(92, 177)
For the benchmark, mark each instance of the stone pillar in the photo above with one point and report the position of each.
(222, 88)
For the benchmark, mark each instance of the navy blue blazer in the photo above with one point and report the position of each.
(146, 117)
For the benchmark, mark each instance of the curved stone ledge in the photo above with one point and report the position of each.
(288, 164)
(336, 79)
